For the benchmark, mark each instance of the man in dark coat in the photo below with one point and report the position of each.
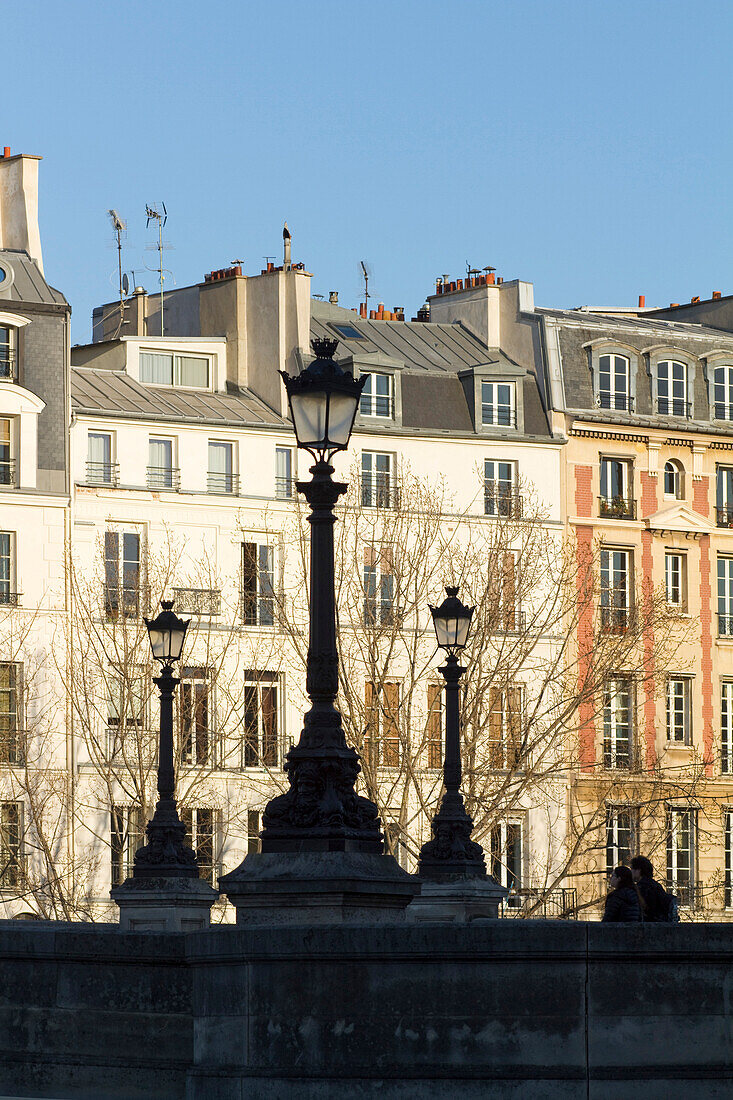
(622, 904)
(655, 903)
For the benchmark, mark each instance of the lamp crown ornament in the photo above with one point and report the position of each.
(324, 347)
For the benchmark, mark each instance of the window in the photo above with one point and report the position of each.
(675, 575)
(382, 733)
(506, 859)
(162, 368)
(379, 587)
(161, 473)
(726, 727)
(202, 829)
(7, 352)
(100, 468)
(378, 489)
(672, 388)
(505, 728)
(8, 595)
(622, 829)
(349, 332)
(11, 736)
(194, 715)
(674, 479)
(504, 599)
(679, 717)
(615, 590)
(617, 724)
(7, 463)
(377, 397)
(222, 478)
(617, 479)
(284, 480)
(723, 393)
(127, 834)
(614, 390)
(11, 845)
(121, 574)
(395, 844)
(258, 590)
(254, 841)
(261, 707)
(724, 495)
(499, 404)
(435, 726)
(728, 886)
(127, 696)
(681, 854)
(500, 489)
(725, 597)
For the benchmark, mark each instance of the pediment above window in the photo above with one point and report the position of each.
(15, 400)
(679, 520)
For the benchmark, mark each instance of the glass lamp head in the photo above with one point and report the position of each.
(167, 633)
(452, 621)
(323, 400)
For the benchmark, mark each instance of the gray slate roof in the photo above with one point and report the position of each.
(112, 392)
(653, 325)
(29, 286)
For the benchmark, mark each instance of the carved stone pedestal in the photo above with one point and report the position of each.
(164, 904)
(304, 888)
(459, 902)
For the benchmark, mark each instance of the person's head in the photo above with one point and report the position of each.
(641, 868)
(621, 877)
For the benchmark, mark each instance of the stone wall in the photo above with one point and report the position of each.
(497, 1009)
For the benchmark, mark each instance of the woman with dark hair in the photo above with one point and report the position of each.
(622, 903)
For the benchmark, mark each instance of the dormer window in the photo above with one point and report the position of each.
(723, 393)
(614, 383)
(672, 388)
(164, 368)
(8, 356)
(377, 397)
(499, 404)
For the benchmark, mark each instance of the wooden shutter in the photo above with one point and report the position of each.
(509, 592)
(249, 583)
(268, 702)
(435, 726)
(371, 724)
(391, 727)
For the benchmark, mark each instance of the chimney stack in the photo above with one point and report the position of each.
(286, 248)
(333, 297)
(642, 301)
(19, 205)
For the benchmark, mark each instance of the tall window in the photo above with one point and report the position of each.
(505, 727)
(8, 595)
(500, 489)
(726, 727)
(614, 390)
(379, 586)
(615, 590)
(617, 498)
(723, 393)
(435, 726)
(254, 842)
(100, 469)
(261, 737)
(728, 841)
(674, 479)
(617, 724)
(377, 397)
(195, 716)
(284, 480)
(11, 736)
(7, 465)
(499, 404)
(127, 692)
(724, 495)
(258, 584)
(395, 843)
(725, 597)
(679, 710)
(672, 388)
(682, 854)
(121, 573)
(377, 480)
(7, 352)
(161, 472)
(222, 478)
(675, 577)
(202, 829)
(504, 597)
(127, 833)
(622, 830)
(165, 369)
(382, 732)
(506, 858)
(11, 844)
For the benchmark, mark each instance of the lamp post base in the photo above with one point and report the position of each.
(458, 902)
(324, 887)
(164, 904)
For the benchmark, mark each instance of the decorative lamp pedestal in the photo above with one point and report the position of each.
(306, 888)
(458, 902)
(164, 904)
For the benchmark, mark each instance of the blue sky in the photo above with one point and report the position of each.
(586, 147)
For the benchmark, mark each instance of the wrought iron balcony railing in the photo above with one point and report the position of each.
(622, 756)
(8, 598)
(226, 484)
(379, 491)
(689, 893)
(498, 417)
(561, 904)
(617, 620)
(7, 473)
(12, 747)
(617, 507)
(103, 473)
(725, 625)
(674, 406)
(197, 601)
(620, 402)
(163, 477)
(285, 488)
(724, 516)
(501, 500)
(125, 601)
(7, 363)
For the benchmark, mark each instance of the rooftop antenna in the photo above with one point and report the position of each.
(365, 273)
(159, 218)
(119, 227)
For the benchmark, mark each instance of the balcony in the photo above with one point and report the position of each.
(163, 477)
(498, 417)
(12, 747)
(501, 499)
(724, 517)
(559, 904)
(7, 363)
(197, 601)
(379, 491)
(285, 488)
(620, 402)
(103, 473)
(8, 598)
(674, 406)
(722, 412)
(125, 602)
(617, 507)
(224, 484)
(689, 893)
(7, 473)
(616, 620)
(725, 625)
(623, 756)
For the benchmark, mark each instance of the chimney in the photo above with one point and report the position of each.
(695, 300)
(363, 310)
(642, 301)
(716, 295)
(286, 248)
(19, 205)
(333, 297)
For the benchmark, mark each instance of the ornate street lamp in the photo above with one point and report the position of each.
(321, 811)
(451, 854)
(166, 855)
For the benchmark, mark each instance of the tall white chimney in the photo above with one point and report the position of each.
(19, 205)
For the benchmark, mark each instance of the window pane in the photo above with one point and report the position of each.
(156, 367)
(193, 371)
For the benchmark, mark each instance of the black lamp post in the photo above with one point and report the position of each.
(166, 855)
(451, 853)
(321, 811)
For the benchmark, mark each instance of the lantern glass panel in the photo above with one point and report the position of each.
(309, 417)
(167, 645)
(341, 417)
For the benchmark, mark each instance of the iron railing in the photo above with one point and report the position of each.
(163, 477)
(226, 484)
(379, 491)
(725, 625)
(103, 473)
(12, 747)
(493, 416)
(8, 598)
(689, 893)
(674, 406)
(724, 517)
(620, 402)
(125, 601)
(501, 500)
(7, 363)
(197, 601)
(617, 507)
(7, 472)
(559, 904)
(285, 488)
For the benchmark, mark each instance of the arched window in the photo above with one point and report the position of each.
(614, 389)
(723, 395)
(8, 352)
(672, 388)
(674, 479)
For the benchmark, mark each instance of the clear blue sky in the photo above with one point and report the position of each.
(583, 146)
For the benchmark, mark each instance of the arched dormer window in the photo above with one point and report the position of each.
(614, 382)
(723, 392)
(674, 479)
(10, 327)
(672, 388)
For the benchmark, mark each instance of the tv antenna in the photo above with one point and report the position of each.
(366, 272)
(158, 218)
(119, 227)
